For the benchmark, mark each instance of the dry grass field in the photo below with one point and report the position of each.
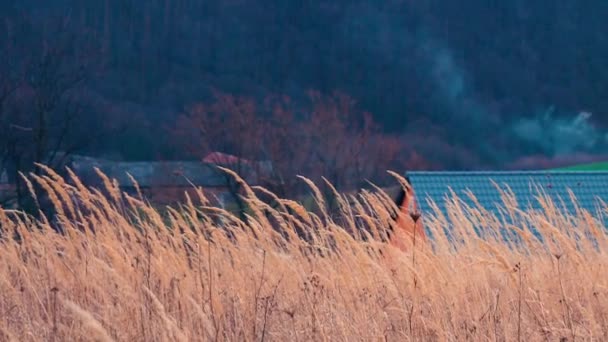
(123, 271)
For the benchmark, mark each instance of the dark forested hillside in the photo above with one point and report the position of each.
(468, 84)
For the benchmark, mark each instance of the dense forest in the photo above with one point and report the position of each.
(461, 85)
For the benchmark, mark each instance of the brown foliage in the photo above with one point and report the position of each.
(325, 136)
(124, 271)
(230, 124)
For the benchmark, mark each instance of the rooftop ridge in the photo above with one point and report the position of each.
(511, 172)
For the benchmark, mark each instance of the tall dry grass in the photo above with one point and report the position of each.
(122, 271)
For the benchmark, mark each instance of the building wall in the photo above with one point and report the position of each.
(160, 196)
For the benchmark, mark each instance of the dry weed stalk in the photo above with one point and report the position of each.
(141, 274)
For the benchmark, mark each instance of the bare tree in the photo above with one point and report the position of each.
(328, 137)
(42, 117)
(228, 132)
(286, 145)
(7, 88)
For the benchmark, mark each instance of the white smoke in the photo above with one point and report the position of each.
(476, 124)
(561, 136)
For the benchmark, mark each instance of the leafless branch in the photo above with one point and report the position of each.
(21, 128)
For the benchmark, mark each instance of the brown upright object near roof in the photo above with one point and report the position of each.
(408, 229)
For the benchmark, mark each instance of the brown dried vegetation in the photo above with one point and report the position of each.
(122, 271)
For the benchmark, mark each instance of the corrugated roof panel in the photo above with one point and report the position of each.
(587, 186)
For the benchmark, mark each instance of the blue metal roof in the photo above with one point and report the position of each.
(587, 186)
